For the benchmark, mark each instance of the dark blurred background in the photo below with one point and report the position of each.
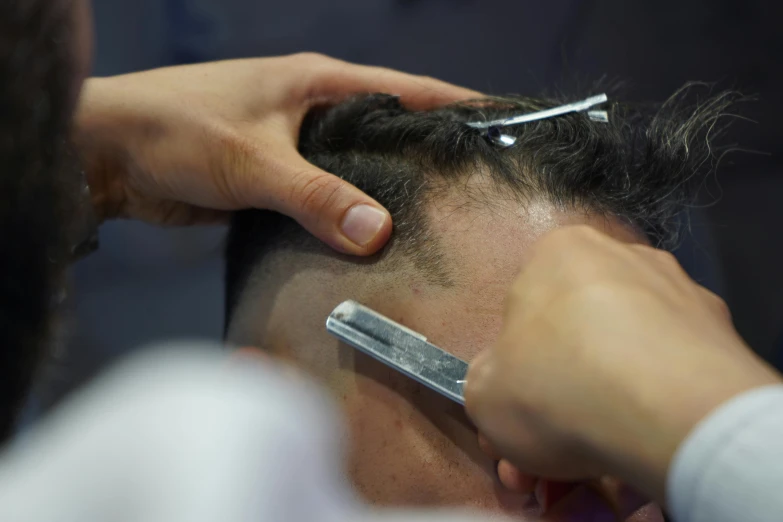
(148, 284)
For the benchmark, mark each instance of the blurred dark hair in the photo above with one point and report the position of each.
(35, 94)
(644, 166)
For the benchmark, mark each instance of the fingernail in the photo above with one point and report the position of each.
(362, 223)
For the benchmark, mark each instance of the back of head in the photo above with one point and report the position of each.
(466, 213)
(642, 167)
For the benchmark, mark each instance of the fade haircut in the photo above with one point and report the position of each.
(642, 167)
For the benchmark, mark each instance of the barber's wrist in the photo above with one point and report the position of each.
(644, 460)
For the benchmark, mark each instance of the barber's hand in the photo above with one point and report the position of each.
(608, 357)
(184, 145)
(602, 499)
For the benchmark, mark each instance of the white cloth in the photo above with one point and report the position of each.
(730, 469)
(184, 436)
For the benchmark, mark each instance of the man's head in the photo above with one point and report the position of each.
(466, 213)
(44, 56)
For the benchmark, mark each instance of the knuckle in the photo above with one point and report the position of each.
(551, 242)
(475, 386)
(233, 158)
(243, 179)
(645, 250)
(306, 56)
(321, 75)
(591, 295)
(662, 257)
(584, 231)
(315, 193)
(720, 305)
(666, 257)
(312, 59)
(569, 244)
(578, 235)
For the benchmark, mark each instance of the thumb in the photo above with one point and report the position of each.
(333, 210)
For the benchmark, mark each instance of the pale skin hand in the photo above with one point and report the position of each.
(186, 145)
(608, 357)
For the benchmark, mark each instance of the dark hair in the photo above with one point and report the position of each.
(35, 74)
(643, 166)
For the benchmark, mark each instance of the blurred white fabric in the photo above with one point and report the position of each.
(185, 436)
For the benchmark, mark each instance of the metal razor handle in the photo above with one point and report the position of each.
(398, 347)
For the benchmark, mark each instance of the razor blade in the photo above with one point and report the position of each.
(399, 347)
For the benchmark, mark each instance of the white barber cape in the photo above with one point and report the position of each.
(184, 436)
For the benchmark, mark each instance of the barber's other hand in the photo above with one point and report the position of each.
(603, 499)
(608, 357)
(184, 145)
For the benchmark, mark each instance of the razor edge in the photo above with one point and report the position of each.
(399, 347)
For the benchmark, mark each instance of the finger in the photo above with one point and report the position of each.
(509, 475)
(475, 382)
(341, 79)
(716, 302)
(333, 210)
(664, 260)
(487, 447)
(514, 480)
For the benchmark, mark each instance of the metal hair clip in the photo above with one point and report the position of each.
(496, 136)
(601, 116)
(547, 113)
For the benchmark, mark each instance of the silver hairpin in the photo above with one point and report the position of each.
(496, 136)
(549, 113)
(601, 116)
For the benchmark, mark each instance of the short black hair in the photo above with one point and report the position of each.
(643, 166)
(35, 101)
